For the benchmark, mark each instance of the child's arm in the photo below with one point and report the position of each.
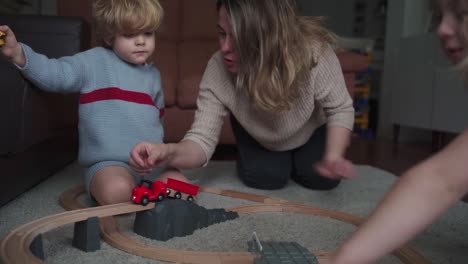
(65, 74)
(11, 49)
(417, 199)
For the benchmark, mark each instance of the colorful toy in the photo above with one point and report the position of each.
(2, 38)
(158, 190)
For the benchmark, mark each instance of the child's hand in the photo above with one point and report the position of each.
(2, 38)
(335, 169)
(11, 49)
(145, 156)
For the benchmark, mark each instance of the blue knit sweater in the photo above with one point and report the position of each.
(121, 104)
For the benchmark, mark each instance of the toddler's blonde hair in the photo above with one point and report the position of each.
(113, 17)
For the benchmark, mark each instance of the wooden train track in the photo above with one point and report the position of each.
(15, 247)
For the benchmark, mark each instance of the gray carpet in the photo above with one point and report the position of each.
(445, 241)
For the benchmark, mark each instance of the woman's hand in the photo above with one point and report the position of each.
(146, 155)
(337, 168)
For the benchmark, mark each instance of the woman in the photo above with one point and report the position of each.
(280, 80)
(430, 187)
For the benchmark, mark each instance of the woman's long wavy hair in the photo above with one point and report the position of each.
(125, 16)
(275, 48)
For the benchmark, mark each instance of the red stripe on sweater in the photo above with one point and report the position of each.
(114, 93)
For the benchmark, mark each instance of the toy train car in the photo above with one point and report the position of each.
(2, 38)
(149, 191)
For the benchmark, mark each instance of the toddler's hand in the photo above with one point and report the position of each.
(11, 49)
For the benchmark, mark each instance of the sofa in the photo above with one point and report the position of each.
(186, 41)
(39, 132)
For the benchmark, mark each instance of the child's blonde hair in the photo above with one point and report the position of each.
(113, 17)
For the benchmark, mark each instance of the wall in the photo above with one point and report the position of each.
(417, 17)
(341, 15)
(404, 18)
(338, 19)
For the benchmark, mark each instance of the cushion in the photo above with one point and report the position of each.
(199, 20)
(171, 23)
(193, 58)
(165, 59)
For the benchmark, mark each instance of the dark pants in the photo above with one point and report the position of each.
(265, 169)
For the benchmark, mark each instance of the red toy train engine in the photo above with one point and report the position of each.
(149, 191)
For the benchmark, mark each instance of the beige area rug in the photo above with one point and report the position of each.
(446, 241)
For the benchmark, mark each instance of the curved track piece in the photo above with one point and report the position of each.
(15, 247)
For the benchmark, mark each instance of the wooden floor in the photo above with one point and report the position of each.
(381, 154)
(395, 158)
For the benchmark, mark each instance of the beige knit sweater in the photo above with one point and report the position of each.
(324, 99)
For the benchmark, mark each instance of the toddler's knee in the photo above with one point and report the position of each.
(113, 192)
